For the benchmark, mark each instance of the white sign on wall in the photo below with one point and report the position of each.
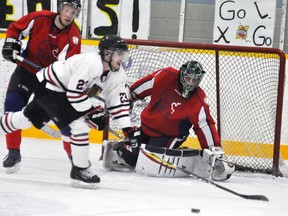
(133, 23)
(16, 12)
(244, 22)
(129, 18)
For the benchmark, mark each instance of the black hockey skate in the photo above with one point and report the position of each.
(84, 178)
(12, 161)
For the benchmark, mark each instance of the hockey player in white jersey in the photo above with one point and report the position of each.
(62, 96)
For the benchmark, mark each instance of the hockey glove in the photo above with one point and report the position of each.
(216, 153)
(133, 134)
(96, 118)
(94, 91)
(11, 49)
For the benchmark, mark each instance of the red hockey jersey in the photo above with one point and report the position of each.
(168, 113)
(46, 42)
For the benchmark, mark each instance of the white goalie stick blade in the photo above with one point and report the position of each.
(80, 184)
(51, 131)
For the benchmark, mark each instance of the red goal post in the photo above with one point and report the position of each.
(244, 88)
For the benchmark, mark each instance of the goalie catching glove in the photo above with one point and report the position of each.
(222, 168)
(96, 118)
(11, 49)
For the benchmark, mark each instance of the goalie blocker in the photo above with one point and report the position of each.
(163, 162)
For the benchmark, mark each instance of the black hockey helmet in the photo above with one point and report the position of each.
(73, 3)
(112, 43)
(191, 74)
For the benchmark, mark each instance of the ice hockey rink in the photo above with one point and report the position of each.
(41, 188)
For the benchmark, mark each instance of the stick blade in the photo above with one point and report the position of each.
(256, 197)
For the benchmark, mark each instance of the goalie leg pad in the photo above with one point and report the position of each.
(163, 162)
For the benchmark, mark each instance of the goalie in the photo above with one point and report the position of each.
(177, 104)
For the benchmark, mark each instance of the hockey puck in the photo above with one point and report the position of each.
(194, 210)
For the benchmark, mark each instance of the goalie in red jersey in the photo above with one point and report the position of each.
(177, 104)
(52, 37)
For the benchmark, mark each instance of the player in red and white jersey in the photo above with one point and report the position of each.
(52, 37)
(64, 96)
(172, 111)
(177, 104)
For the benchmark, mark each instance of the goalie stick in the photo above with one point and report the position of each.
(183, 169)
(251, 197)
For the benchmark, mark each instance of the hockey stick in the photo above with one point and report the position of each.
(51, 131)
(20, 58)
(251, 197)
(116, 133)
(183, 169)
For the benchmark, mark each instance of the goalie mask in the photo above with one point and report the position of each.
(72, 9)
(113, 48)
(191, 74)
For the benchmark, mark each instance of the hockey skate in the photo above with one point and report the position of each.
(112, 160)
(84, 178)
(12, 160)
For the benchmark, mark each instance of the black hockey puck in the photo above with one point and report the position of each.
(194, 210)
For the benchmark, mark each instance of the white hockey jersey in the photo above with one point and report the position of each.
(82, 71)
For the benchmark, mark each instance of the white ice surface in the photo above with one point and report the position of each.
(41, 188)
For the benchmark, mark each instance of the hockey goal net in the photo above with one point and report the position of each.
(244, 88)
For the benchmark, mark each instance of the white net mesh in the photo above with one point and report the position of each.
(246, 95)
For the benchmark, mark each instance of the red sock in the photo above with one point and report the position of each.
(67, 147)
